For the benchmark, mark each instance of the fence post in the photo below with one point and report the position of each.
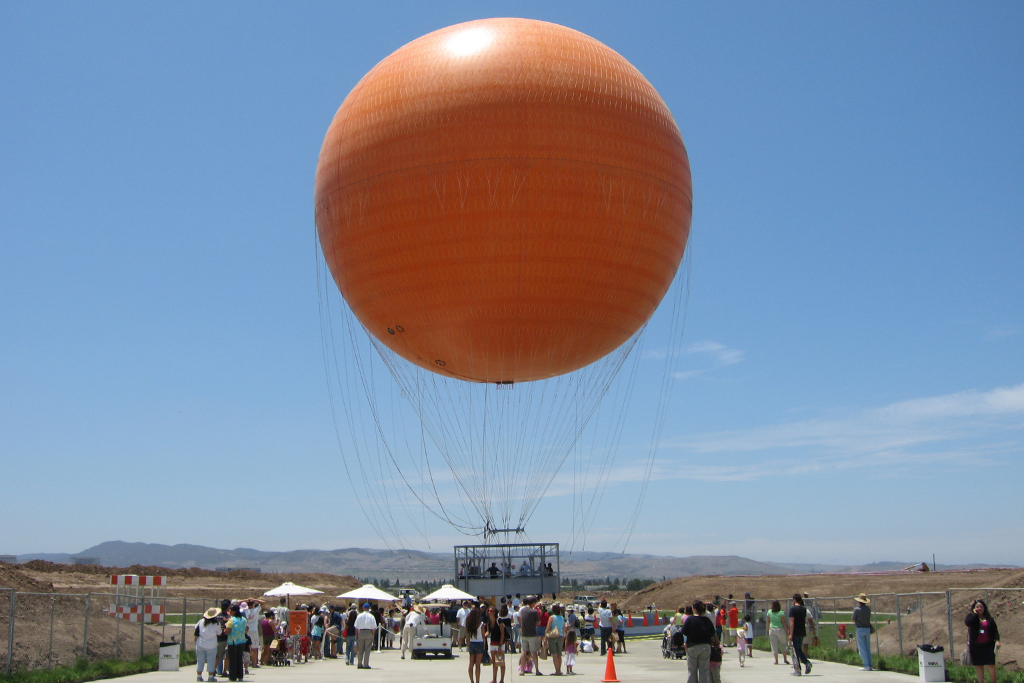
(117, 634)
(142, 628)
(949, 621)
(10, 636)
(184, 612)
(85, 634)
(835, 621)
(49, 654)
(874, 615)
(920, 602)
(899, 623)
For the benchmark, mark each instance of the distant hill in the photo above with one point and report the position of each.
(412, 565)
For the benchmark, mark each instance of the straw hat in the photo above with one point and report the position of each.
(863, 599)
(211, 613)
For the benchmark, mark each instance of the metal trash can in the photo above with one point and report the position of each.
(169, 656)
(930, 663)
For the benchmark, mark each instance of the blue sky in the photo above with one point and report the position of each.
(851, 386)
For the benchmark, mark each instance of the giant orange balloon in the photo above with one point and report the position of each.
(503, 200)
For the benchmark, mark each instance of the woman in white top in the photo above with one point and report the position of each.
(477, 629)
(413, 619)
(206, 632)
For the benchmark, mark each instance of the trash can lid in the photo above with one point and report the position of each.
(174, 643)
(928, 647)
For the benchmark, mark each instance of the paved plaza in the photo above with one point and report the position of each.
(643, 663)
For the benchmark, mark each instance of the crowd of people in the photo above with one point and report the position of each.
(244, 634)
(528, 627)
(702, 630)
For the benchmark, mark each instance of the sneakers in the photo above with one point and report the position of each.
(199, 677)
(807, 668)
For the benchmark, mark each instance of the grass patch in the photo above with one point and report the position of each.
(897, 663)
(83, 671)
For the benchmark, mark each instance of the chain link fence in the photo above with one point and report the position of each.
(45, 630)
(902, 621)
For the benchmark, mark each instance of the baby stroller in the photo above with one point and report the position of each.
(673, 646)
(279, 652)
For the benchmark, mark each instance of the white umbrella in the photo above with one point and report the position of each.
(367, 592)
(448, 592)
(289, 588)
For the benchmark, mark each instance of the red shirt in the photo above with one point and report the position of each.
(544, 616)
(720, 618)
(734, 617)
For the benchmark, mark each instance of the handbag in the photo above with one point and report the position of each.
(815, 641)
(965, 657)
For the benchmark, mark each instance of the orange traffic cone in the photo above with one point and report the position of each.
(609, 669)
(629, 621)
(645, 618)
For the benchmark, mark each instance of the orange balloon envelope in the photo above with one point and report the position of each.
(503, 200)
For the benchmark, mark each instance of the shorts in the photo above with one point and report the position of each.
(267, 640)
(497, 653)
(531, 644)
(570, 659)
(555, 645)
(588, 633)
(477, 647)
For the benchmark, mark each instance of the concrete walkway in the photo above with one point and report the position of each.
(643, 663)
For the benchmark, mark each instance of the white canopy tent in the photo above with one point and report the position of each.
(367, 592)
(448, 592)
(289, 588)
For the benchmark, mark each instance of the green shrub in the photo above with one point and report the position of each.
(898, 663)
(82, 670)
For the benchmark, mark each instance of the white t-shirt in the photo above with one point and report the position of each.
(606, 617)
(365, 621)
(748, 628)
(461, 616)
(252, 618)
(414, 619)
(515, 618)
(208, 633)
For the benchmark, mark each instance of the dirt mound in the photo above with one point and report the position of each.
(12, 577)
(39, 575)
(669, 594)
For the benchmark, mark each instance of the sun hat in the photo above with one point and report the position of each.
(211, 613)
(863, 599)
(243, 606)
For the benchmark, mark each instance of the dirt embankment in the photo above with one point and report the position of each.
(674, 592)
(190, 583)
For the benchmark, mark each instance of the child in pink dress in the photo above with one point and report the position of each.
(570, 651)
